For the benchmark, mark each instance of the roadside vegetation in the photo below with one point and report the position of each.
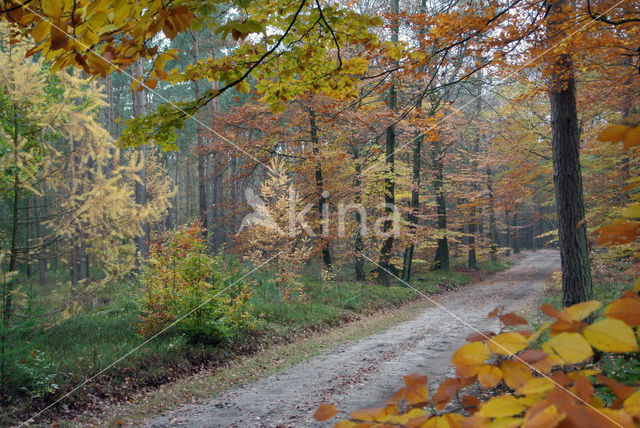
(60, 353)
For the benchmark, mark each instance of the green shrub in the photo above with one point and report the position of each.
(186, 286)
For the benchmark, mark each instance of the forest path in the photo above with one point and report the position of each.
(366, 372)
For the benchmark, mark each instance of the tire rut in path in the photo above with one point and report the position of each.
(365, 372)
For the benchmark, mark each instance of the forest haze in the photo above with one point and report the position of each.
(185, 182)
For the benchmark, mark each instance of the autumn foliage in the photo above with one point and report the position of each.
(545, 378)
(186, 286)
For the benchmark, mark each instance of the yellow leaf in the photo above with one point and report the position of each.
(631, 211)
(535, 386)
(506, 423)
(324, 412)
(508, 343)
(450, 420)
(571, 348)
(489, 376)
(515, 373)
(40, 31)
(52, 8)
(613, 133)
(632, 404)
(611, 335)
(468, 357)
(344, 424)
(539, 332)
(502, 406)
(580, 311)
(370, 414)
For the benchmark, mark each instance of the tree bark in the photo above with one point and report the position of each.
(441, 260)
(42, 264)
(415, 205)
(142, 241)
(567, 177)
(493, 230)
(202, 181)
(389, 180)
(322, 200)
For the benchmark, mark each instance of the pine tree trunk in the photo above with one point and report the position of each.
(42, 264)
(142, 241)
(202, 181)
(389, 180)
(567, 177)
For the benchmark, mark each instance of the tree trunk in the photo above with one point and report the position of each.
(27, 254)
(389, 179)
(142, 241)
(567, 177)
(358, 244)
(415, 205)
(493, 230)
(322, 200)
(441, 260)
(42, 264)
(217, 213)
(202, 181)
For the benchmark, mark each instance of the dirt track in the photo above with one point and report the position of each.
(366, 372)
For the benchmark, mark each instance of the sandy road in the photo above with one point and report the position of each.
(366, 372)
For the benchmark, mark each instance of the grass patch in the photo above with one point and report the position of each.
(80, 346)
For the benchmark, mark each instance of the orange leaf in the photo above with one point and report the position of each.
(480, 336)
(583, 388)
(489, 376)
(621, 391)
(626, 309)
(618, 233)
(546, 417)
(632, 138)
(445, 392)
(515, 373)
(416, 388)
(613, 133)
(470, 403)
(324, 412)
(397, 397)
(511, 319)
(369, 414)
(494, 313)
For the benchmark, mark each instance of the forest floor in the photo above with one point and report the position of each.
(365, 372)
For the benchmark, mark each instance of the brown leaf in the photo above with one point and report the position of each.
(511, 319)
(470, 403)
(445, 392)
(324, 412)
(58, 38)
(480, 336)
